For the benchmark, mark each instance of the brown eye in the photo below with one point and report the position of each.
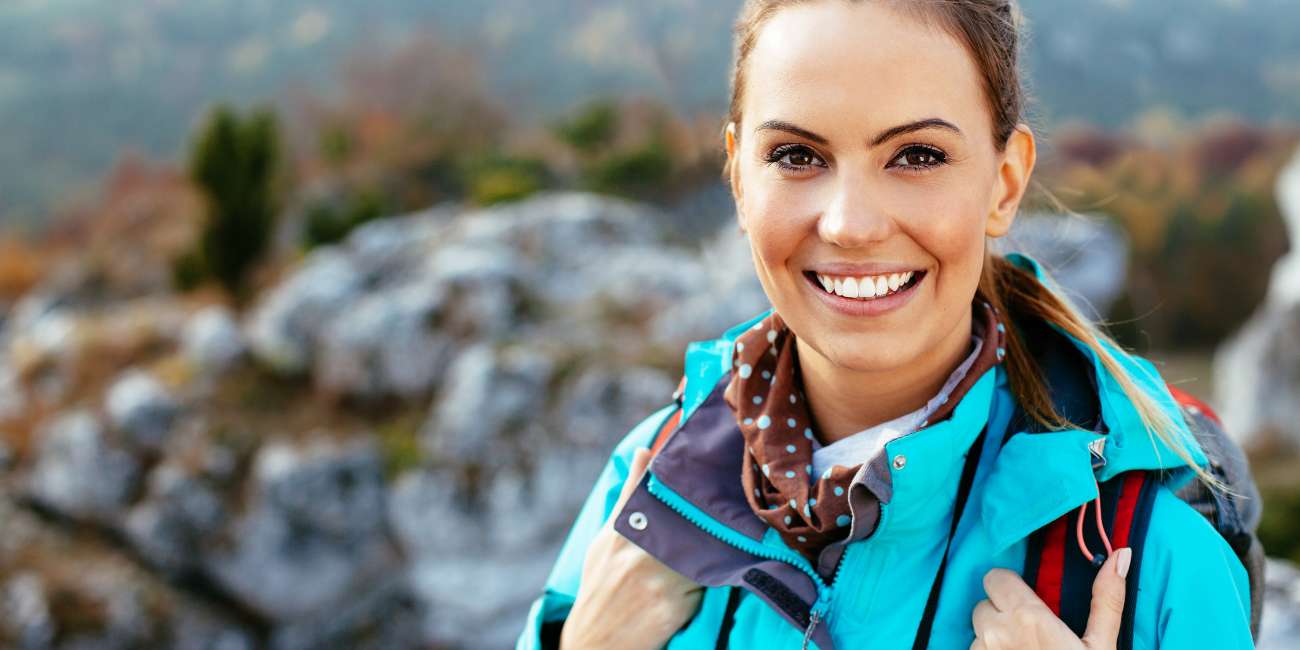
(794, 157)
(799, 158)
(919, 157)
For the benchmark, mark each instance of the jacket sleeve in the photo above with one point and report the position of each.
(547, 614)
(1193, 591)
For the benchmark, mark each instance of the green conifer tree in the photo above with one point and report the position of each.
(234, 162)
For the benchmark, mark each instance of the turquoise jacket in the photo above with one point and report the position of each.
(1192, 592)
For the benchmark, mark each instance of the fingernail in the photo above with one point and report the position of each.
(1122, 559)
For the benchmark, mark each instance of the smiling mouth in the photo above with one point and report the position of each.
(868, 287)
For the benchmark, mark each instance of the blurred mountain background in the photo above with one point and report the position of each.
(82, 79)
(318, 319)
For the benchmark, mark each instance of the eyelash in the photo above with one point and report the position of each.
(777, 156)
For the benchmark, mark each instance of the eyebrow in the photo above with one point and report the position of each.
(892, 132)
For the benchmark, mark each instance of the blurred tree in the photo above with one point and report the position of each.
(329, 222)
(592, 129)
(234, 162)
(638, 172)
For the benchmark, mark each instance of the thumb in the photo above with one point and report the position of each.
(640, 459)
(1108, 602)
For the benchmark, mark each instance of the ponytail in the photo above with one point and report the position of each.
(1016, 292)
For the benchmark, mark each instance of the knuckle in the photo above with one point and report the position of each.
(1112, 601)
(1026, 617)
(995, 637)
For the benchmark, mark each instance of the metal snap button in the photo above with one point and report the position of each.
(637, 520)
(900, 461)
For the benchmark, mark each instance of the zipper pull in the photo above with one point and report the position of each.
(812, 623)
(1098, 449)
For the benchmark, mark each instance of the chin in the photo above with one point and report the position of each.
(870, 352)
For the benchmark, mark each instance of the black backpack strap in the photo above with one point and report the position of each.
(1055, 565)
(728, 618)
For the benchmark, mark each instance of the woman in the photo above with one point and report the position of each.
(824, 453)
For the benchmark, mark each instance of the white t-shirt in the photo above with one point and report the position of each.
(864, 445)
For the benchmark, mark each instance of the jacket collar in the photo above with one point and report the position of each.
(1014, 502)
(1067, 465)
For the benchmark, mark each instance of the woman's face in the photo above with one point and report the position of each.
(865, 161)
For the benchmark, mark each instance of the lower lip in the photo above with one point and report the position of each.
(859, 307)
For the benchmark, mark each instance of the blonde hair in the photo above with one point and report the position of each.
(990, 30)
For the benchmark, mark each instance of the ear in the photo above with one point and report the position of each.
(1013, 178)
(733, 167)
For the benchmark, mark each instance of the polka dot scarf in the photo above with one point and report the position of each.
(766, 394)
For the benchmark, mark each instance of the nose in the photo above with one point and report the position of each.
(854, 218)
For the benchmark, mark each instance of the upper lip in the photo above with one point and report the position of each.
(868, 268)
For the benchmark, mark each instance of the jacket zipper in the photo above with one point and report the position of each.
(812, 623)
(688, 511)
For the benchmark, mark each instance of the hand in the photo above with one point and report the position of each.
(627, 599)
(1015, 617)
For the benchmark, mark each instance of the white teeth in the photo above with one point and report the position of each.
(867, 288)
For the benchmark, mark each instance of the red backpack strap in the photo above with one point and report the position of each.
(1055, 565)
(1190, 402)
(670, 423)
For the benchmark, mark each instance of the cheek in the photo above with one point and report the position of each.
(779, 215)
(949, 226)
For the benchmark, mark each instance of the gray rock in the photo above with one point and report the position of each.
(312, 538)
(726, 292)
(140, 407)
(12, 394)
(283, 328)
(387, 617)
(390, 251)
(603, 403)
(26, 614)
(171, 524)
(335, 489)
(483, 288)
(79, 473)
(385, 345)
(41, 326)
(499, 548)
(492, 397)
(212, 340)
(1086, 254)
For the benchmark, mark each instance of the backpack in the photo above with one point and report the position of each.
(1060, 573)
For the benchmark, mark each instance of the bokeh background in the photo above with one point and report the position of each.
(318, 318)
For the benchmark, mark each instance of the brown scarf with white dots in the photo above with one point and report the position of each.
(766, 394)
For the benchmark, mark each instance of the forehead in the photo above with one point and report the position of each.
(860, 64)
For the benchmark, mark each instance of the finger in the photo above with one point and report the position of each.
(1107, 609)
(640, 459)
(983, 616)
(1008, 591)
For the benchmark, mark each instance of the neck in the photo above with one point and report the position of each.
(844, 401)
